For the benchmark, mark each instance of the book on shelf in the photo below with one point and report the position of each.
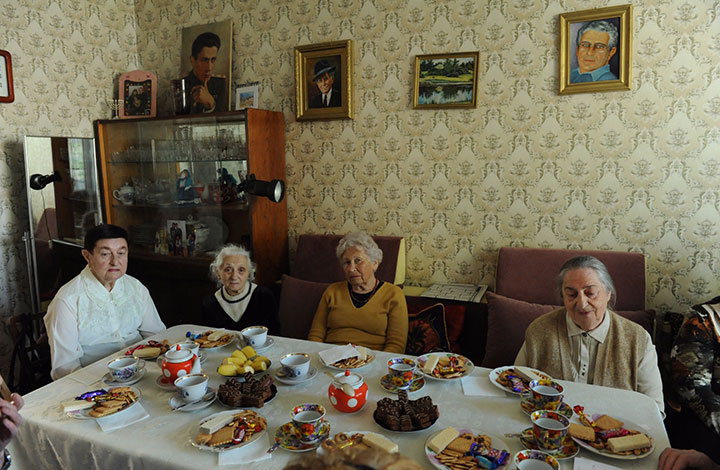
(461, 292)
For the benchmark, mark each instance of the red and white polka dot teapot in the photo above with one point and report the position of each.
(179, 362)
(348, 392)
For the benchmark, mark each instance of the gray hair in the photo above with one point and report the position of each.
(603, 26)
(230, 250)
(360, 240)
(588, 262)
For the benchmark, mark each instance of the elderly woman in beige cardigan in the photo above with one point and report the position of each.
(586, 342)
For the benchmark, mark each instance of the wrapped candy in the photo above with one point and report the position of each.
(90, 395)
(579, 410)
(605, 435)
(482, 462)
(517, 383)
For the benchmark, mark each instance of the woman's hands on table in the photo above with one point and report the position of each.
(682, 459)
(11, 419)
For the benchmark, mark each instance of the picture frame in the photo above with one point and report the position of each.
(604, 61)
(7, 90)
(324, 81)
(176, 228)
(211, 69)
(446, 80)
(247, 95)
(138, 95)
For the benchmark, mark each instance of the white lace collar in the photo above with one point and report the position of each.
(97, 292)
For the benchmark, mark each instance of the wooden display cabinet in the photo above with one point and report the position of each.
(141, 164)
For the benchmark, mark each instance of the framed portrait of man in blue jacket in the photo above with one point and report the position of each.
(595, 48)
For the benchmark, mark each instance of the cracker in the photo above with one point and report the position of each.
(606, 422)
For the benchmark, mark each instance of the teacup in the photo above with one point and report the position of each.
(307, 421)
(401, 372)
(544, 394)
(255, 336)
(295, 365)
(549, 430)
(535, 460)
(192, 387)
(123, 369)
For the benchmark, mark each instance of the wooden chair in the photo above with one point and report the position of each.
(31, 352)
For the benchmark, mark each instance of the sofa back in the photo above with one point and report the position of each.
(316, 261)
(530, 274)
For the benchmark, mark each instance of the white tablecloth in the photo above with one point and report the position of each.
(49, 439)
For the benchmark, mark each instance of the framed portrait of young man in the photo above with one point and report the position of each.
(596, 50)
(323, 81)
(206, 67)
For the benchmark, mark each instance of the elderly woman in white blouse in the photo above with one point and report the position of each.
(102, 310)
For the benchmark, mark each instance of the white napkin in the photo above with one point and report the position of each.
(124, 418)
(250, 453)
(473, 385)
(581, 463)
(90, 374)
(338, 353)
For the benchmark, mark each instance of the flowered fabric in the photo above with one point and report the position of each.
(695, 363)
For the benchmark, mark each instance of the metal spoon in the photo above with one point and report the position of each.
(347, 388)
(205, 397)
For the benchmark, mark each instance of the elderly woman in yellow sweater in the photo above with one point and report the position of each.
(364, 310)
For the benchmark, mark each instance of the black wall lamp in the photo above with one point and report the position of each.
(273, 190)
(38, 181)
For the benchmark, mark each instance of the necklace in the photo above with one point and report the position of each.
(363, 299)
(222, 293)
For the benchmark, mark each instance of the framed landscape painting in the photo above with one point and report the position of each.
(595, 50)
(446, 80)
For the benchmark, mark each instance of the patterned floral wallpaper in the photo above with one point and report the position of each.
(631, 171)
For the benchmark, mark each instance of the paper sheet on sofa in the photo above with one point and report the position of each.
(338, 353)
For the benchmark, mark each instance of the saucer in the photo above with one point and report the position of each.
(312, 372)
(108, 379)
(258, 349)
(285, 438)
(176, 401)
(418, 383)
(568, 450)
(564, 409)
(165, 385)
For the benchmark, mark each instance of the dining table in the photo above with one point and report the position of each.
(163, 439)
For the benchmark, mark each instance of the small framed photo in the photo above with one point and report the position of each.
(176, 235)
(138, 94)
(596, 50)
(247, 95)
(7, 91)
(446, 80)
(323, 80)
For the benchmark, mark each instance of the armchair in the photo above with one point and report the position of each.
(525, 288)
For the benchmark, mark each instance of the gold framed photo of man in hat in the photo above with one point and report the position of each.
(323, 81)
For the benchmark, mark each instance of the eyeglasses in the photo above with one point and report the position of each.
(597, 47)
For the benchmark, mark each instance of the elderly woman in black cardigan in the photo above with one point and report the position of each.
(239, 302)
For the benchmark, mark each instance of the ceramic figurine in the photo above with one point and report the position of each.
(184, 186)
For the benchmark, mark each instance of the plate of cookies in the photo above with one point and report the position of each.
(213, 339)
(515, 379)
(460, 449)
(150, 350)
(445, 366)
(608, 436)
(100, 403)
(364, 357)
(228, 430)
